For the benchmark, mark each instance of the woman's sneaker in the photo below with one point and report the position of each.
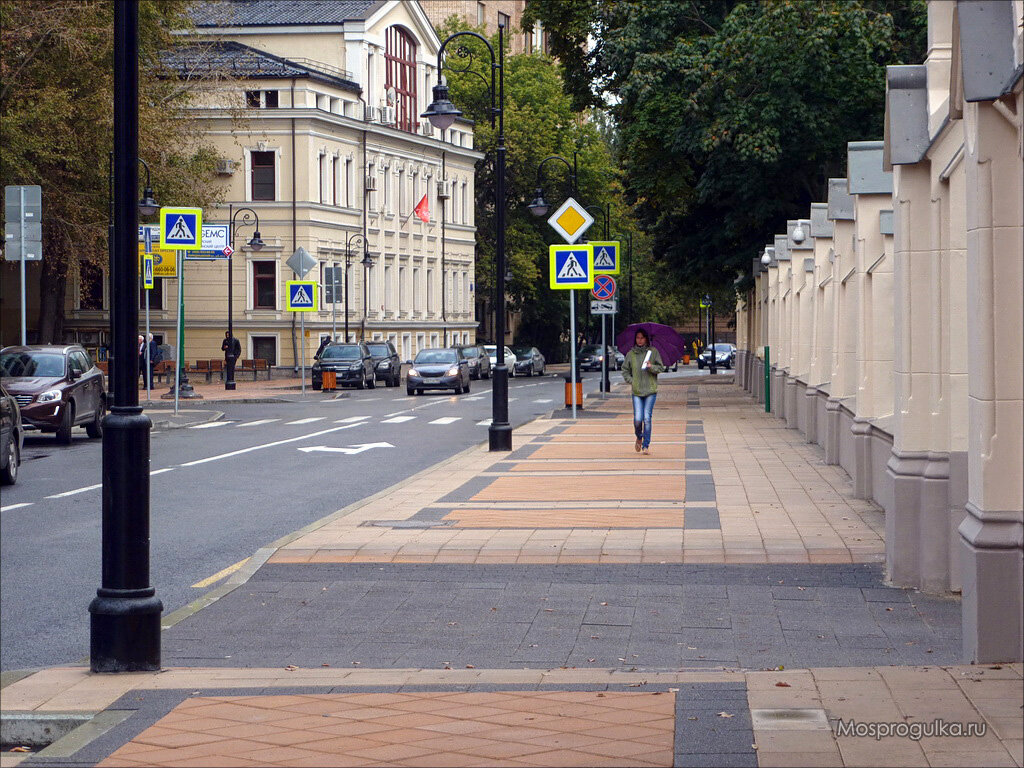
(638, 445)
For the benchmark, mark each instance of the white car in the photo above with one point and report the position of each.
(510, 359)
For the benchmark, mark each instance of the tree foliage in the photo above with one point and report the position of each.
(731, 115)
(539, 121)
(56, 126)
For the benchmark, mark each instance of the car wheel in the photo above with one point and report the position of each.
(457, 389)
(67, 421)
(488, 374)
(9, 474)
(95, 427)
(362, 382)
(372, 381)
(419, 391)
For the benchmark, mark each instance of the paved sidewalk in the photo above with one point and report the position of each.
(719, 602)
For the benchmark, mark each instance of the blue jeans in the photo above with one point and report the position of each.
(643, 411)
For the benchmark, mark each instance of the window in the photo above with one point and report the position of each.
(252, 99)
(465, 217)
(348, 182)
(430, 290)
(262, 175)
(264, 285)
(481, 14)
(403, 293)
(323, 181)
(504, 20)
(335, 200)
(270, 98)
(264, 348)
(261, 99)
(400, 59)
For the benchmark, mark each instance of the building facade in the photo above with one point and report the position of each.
(489, 14)
(320, 138)
(890, 333)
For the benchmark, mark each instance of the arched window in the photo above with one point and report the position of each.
(400, 58)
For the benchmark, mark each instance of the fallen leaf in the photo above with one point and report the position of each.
(673, 690)
(356, 663)
(595, 637)
(291, 668)
(600, 695)
(753, 746)
(21, 749)
(996, 666)
(801, 588)
(725, 714)
(604, 603)
(453, 623)
(691, 718)
(783, 685)
(889, 608)
(549, 610)
(470, 666)
(591, 661)
(691, 647)
(325, 665)
(622, 658)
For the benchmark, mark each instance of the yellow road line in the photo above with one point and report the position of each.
(220, 574)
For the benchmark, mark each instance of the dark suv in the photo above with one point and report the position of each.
(479, 362)
(57, 387)
(387, 366)
(351, 362)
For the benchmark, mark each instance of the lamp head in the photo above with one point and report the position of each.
(441, 112)
(367, 260)
(766, 259)
(539, 206)
(257, 242)
(147, 205)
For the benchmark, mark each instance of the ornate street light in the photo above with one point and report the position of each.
(249, 218)
(352, 238)
(442, 113)
(540, 206)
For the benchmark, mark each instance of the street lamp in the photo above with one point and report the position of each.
(124, 617)
(442, 113)
(348, 261)
(540, 206)
(711, 334)
(250, 217)
(367, 262)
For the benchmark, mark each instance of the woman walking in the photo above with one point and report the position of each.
(641, 368)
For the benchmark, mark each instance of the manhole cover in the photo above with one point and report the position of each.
(789, 720)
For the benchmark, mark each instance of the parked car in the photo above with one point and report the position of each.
(479, 362)
(529, 360)
(510, 358)
(438, 369)
(352, 363)
(725, 355)
(57, 387)
(386, 364)
(12, 437)
(591, 358)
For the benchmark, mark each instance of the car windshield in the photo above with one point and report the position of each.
(471, 352)
(436, 356)
(380, 350)
(590, 349)
(522, 351)
(32, 364)
(349, 352)
(490, 349)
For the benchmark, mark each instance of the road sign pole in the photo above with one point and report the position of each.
(302, 330)
(149, 363)
(181, 331)
(604, 356)
(21, 213)
(572, 348)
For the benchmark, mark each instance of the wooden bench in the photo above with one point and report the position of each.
(163, 368)
(216, 366)
(255, 367)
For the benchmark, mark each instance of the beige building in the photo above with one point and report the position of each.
(323, 141)
(489, 14)
(892, 334)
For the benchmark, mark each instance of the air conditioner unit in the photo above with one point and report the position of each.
(370, 114)
(387, 115)
(371, 183)
(443, 190)
(225, 167)
(428, 127)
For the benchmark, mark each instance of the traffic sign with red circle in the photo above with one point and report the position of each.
(604, 287)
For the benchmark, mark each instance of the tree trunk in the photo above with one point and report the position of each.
(53, 281)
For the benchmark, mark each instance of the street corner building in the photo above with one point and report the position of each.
(318, 133)
(886, 326)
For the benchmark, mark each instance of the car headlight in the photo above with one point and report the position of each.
(413, 372)
(453, 371)
(49, 396)
(384, 364)
(357, 367)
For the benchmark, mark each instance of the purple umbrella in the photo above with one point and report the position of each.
(670, 345)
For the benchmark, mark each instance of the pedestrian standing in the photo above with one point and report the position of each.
(154, 357)
(640, 369)
(142, 358)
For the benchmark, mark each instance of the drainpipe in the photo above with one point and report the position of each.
(444, 277)
(295, 344)
(366, 244)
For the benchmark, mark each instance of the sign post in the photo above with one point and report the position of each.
(302, 298)
(181, 229)
(147, 285)
(23, 234)
(604, 291)
(571, 267)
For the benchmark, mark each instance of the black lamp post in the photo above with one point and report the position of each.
(539, 206)
(367, 262)
(711, 334)
(125, 614)
(442, 113)
(352, 238)
(249, 217)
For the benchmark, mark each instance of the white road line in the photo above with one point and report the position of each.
(350, 419)
(77, 490)
(398, 419)
(446, 420)
(9, 507)
(212, 424)
(512, 399)
(257, 422)
(269, 445)
(161, 471)
(484, 423)
(474, 397)
(310, 420)
(542, 401)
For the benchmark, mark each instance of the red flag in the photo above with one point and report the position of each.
(422, 210)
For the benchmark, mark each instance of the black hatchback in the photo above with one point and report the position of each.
(386, 364)
(352, 363)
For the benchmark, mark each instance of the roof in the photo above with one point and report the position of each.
(243, 61)
(257, 13)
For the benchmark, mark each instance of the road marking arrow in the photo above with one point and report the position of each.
(362, 447)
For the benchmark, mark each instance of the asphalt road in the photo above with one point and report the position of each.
(220, 492)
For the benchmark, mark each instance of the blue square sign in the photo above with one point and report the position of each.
(181, 229)
(572, 266)
(301, 295)
(606, 257)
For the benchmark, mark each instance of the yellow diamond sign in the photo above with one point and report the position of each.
(571, 220)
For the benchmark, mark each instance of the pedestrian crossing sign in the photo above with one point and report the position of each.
(147, 271)
(301, 295)
(606, 257)
(572, 266)
(181, 229)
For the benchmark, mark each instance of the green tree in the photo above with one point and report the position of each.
(56, 127)
(731, 115)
